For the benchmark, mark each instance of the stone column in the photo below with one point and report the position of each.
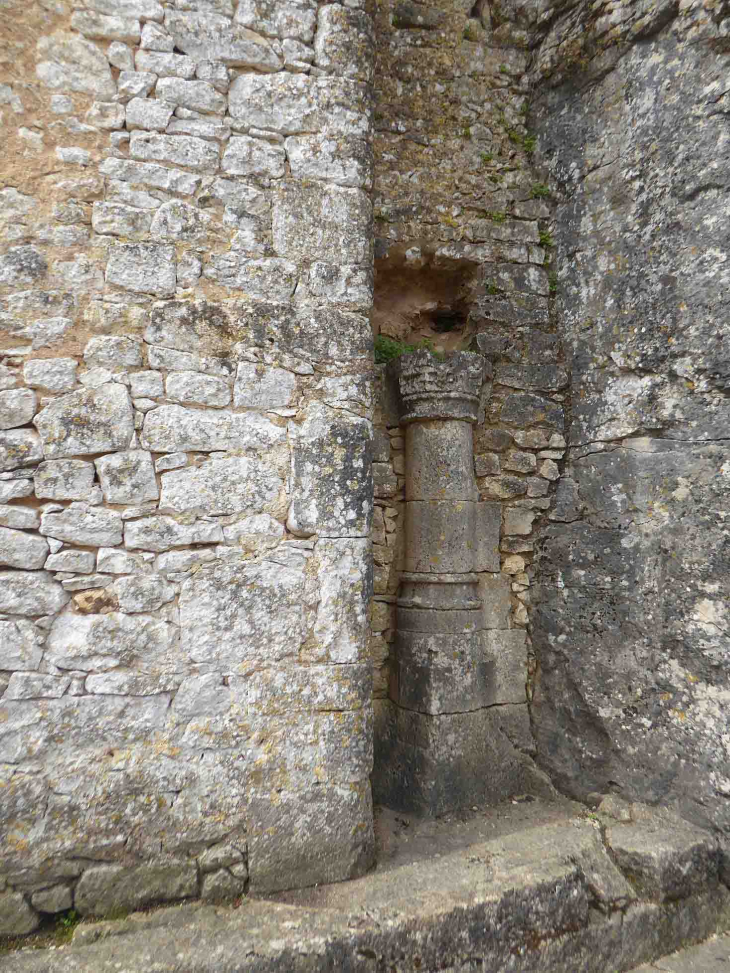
(441, 684)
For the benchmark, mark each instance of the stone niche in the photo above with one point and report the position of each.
(439, 745)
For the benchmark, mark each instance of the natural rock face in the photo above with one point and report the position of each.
(181, 377)
(630, 620)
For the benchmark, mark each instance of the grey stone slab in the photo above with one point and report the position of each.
(87, 421)
(712, 956)
(106, 887)
(488, 522)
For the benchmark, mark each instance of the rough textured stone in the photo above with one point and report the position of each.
(197, 389)
(67, 479)
(57, 898)
(143, 268)
(21, 550)
(127, 477)
(105, 887)
(81, 524)
(17, 407)
(88, 421)
(19, 448)
(163, 533)
(221, 486)
(327, 220)
(245, 156)
(103, 642)
(16, 915)
(207, 35)
(263, 387)
(172, 428)
(74, 64)
(54, 374)
(331, 476)
(30, 593)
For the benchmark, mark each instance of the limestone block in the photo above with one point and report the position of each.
(347, 284)
(345, 587)
(525, 409)
(440, 536)
(279, 18)
(210, 36)
(105, 887)
(245, 156)
(521, 462)
(78, 562)
(171, 461)
(180, 150)
(215, 73)
(154, 176)
(17, 407)
(344, 44)
(221, 886)
(84, 525)
(53, 374)
(177, 562)
(148, 114)
(74, 64)
(323, 833)
(444, 592)
(198, 96)
(507, 655)
(439, 461)
(308, 333)
(292, 104)
(30, 593)
(16, 488)
(105, 115)
(103, 642)
(518, 520)
(221, 486)
(433, 764)
(67, 479)
(269, 278)
(494, 590)
(549, 470)
(263, 387)
(450, 622)
(172, 428)
(345, 162)
(441, 673)
(127, 477)
(22, 265)
(331, 480)
(135, 84)
(146, 384)
(16, 916)
(143, 268)
(57, 898)
(503, 487)
(20, 518)
(21, 550)
(331, 221)
(34, 685)
(546, 378)
(164, 533)
(113, 352)
(87, 421)
(237, 613)
(142, 593)
(196, 389)
(385, 482)
(119, 56)
(103, 27)
(667, 858)
(19, 448)
(113, 561)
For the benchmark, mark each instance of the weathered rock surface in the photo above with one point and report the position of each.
(88, 421)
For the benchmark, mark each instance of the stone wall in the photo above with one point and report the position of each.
(463, 252)
(185, 484)
(631, 625)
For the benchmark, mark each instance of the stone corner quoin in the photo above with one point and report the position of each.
(185, 461)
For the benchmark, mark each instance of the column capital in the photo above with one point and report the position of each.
(440, 388)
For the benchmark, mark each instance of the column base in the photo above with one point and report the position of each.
(435, 764)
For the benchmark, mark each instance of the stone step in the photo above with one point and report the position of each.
(590, 893)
